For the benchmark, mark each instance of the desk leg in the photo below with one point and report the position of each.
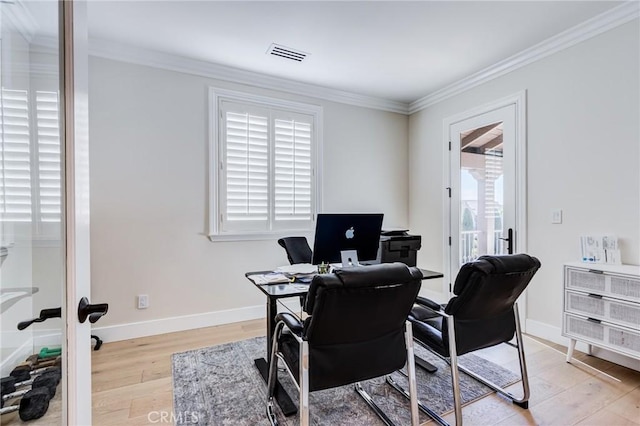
(282, 398)
(272, 311)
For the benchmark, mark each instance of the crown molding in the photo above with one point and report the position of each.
(599, 24)
(140, 56)
(606, 21)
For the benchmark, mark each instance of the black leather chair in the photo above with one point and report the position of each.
(357, 330)
(483, 313)
(298, 251)
(297, 248)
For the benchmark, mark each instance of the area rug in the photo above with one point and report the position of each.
(220, 385)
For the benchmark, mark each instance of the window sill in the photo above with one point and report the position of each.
(258, 236)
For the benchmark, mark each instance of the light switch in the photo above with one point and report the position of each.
(556, 216)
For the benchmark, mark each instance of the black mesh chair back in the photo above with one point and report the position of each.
(297, 248)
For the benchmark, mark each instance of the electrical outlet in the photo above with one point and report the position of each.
(143, 301)
(556, 216)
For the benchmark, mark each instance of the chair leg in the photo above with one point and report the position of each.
(304, 384)
(367, 398)
(453, 364)
(412, 395)
(273, 375)
(428, 411)
(411, 370)
(526, 392)
(455, 381)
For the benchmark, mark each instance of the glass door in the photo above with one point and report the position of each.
(44, 248)
(32, 243)
(481, 192)
(483, 186)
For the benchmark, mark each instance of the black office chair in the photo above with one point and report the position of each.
(483, 313)
(357, 330)
(297, 248)
(298, 251)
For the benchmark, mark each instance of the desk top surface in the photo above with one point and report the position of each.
(293, 289)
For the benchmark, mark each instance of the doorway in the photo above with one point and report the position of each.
(485, 175)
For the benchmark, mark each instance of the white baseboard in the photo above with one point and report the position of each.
(47, 338)
(554, 334)
(134, 330)
(16, 357)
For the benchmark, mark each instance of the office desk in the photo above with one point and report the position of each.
(282, 291)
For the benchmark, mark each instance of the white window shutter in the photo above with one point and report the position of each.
(264, 151)
(293, 170)
(246, 171)
(49, 172)
(15, 157)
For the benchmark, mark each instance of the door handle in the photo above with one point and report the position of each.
(45, 314)
(509, 240)
(93, 312)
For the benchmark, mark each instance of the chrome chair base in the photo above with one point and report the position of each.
(429, 412)
(363, 394)
(271, 414)
(371, 403)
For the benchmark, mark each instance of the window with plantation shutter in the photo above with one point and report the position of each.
(49, 173)
(264, 166)
(15, 157)
(30, 161)
(293, 171)
(246, 169)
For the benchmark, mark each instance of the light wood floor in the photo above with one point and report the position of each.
(132, 381)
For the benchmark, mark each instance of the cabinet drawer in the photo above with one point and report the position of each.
(627, 288)
(617, 286)
(609, 310)
(603, 335)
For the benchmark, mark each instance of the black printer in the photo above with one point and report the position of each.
(399, 246)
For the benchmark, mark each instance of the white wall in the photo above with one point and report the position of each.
(583, 157)
(148, 158)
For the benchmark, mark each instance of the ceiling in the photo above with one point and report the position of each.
(393, 50)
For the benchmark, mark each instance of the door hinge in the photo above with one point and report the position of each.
(450, 288)
(449, 240)
(448, 188)
(449, 145)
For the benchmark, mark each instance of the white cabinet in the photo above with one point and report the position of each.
(602, 307)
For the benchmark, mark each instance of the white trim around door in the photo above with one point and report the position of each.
(520, 245)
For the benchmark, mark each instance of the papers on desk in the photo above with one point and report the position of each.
(301, 272)
(269, 278)
(298, 268)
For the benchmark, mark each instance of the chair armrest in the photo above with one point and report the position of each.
(291, 321)
(428, 303)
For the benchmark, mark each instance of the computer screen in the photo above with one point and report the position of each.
(345, 231)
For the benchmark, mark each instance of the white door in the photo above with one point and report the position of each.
(486, 183)
(44, 204)
(79, 313)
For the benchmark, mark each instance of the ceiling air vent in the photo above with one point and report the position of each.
(286, 52)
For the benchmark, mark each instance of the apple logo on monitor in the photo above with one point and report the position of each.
(350, 233)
